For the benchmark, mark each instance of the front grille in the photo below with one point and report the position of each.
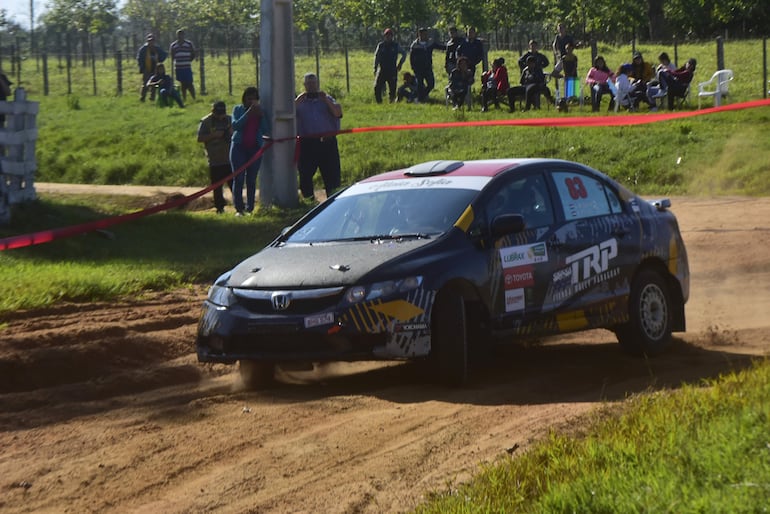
(301, 307)
(301, 302)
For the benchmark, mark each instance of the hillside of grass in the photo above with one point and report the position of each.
(110, 139)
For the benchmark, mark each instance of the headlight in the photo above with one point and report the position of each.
(219, 293)
(382, 289)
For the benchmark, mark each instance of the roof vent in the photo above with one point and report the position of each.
(427, 169)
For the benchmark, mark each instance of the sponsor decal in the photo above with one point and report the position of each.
(586, 269)
(514, 256)
(522, 276)
(514, 300)
(409, 327)
(319, 319)
(594, 259)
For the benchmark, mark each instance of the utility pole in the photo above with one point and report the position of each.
(278, 176)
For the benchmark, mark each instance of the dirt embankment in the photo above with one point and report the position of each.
(104, 408)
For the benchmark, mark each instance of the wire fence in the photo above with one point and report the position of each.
(225, 71)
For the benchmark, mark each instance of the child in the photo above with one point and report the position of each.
(408, 88)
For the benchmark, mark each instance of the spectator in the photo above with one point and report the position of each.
(559, 46)
(534, 81)
(318, 121)
(664, 63)
(540, 59)
(165, 85)
(385, 67)
(182, 54)
(148, 57)
(450, 60)
(675, 83)
(569, 62)
(214, 131)
(421, 60)
(641, 73)
(473, 49)
(494, 84)
(624, 92)
(408, 88)
(460, 81)
(250, 125)
(597, 79)
(5, 93)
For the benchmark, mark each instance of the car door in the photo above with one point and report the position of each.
(519, 262)
(593, 251)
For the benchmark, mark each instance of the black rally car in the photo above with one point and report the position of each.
(420, 262)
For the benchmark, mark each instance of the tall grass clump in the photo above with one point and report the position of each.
(702, 448)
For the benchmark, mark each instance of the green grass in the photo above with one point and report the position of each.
(164, 251)
(108, 139)
(702, 448)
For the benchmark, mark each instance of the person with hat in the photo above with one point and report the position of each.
(148, 57)
(421, 60)
(385, 66)
(214, 131)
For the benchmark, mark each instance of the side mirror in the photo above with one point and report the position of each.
(506, 224)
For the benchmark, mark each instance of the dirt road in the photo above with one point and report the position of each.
(104, 408)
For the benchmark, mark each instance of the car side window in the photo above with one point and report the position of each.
(527, 196)
(583, 196)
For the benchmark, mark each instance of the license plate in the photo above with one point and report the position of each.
(320, 319)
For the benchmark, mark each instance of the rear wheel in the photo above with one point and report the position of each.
(449, 345)
(256, 374)
(648, 330)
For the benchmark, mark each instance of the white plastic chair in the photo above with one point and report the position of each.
(716, 86)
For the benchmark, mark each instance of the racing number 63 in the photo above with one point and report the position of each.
(576, 188)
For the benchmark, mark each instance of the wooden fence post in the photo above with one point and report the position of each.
(202, 60)
(119, 65)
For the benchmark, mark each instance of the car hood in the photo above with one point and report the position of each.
(317, 265)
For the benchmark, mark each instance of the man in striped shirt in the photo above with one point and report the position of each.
(182, 53)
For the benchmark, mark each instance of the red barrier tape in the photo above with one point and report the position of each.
(46, 236)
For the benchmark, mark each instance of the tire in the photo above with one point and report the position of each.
(648, 330)
(256, 374)
(449, 340)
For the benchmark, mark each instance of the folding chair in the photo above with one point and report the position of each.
(573, 90)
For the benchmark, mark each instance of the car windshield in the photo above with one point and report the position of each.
(363, 213)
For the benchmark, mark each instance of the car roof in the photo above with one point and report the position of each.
(475, 168)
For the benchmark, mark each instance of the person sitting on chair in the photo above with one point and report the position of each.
(596, 79)
(533, 80)
(676, 82)
(494, 84)
(460, 81)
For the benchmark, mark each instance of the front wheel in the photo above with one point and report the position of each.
(449, 343)
(648, 330)
(256, 374)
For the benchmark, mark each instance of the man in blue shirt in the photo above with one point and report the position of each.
(318, 122)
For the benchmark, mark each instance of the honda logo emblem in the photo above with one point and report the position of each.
(280, 301)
